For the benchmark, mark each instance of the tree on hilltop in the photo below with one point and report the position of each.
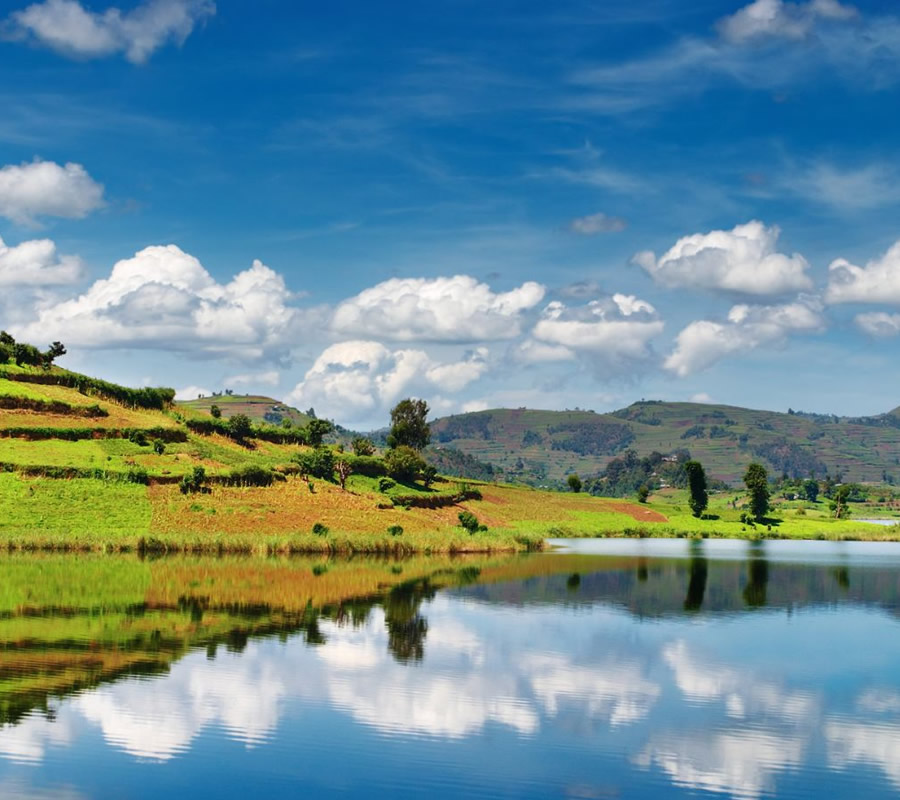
(409, 425)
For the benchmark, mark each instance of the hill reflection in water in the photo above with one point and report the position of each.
(740, 670)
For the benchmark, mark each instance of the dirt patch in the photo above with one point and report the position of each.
(636, 512)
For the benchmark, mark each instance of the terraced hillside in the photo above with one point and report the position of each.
(258, 407)
(544, 446)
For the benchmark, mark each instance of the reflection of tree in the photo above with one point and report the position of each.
(757, 579)
(697, 584)
(842, 576)
(406, 628)
(642, 572)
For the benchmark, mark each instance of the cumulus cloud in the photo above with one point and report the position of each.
(36, 263)
(267, 378)
(766, 19)
(877, 282)
(613, 334)
(360, 379)
(743, 260)
(704, 342)
(164, 298)
(192, 392)
(44, 188)
(879, 323)
(67, 27)
(446, 309)
(597, 223)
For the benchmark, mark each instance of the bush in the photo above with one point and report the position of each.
(192, 483)
(470, 522)
(319, 529)
(395, 530)
(137, 475)
(574, 483)
(250, 475)
(159, 447)
(404, 464)
(138, 437)
(643, 493)
(363, 446)
(215, 411)
(386, 484)
(318, 463)
(240, 427)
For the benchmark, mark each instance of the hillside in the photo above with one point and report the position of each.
(258, 407)
(544, 446)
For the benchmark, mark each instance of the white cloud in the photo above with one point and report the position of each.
(740, 763)
(777, 19)
(872, 186)
(597, 223)
(456, 376)
(191, 393)
(163, 298)
(72, 30)
(877, 282)
(358, 380)
(879, 323)
(613, 334)
(446, 309)
(44, 188)
(36, 263)
(701, 397)
(267, 378)
(742, 260)
(701, 344)
(851, 742)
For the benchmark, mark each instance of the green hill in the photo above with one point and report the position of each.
(258, 407)
(544, 446)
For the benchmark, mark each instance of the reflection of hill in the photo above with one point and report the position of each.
(69, 623)
(651, 587)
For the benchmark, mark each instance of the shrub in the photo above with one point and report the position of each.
(574, 483)
(470, 522)
(138, 437)
(363, 446)
(215, 411)
(240, 427)
(404, 464)
(194, 481)
(159, 447)
(250, 475)
(643, 493)
(319, 529)
(137, 475)
(386, 484)
(316, 430)
(395, 530)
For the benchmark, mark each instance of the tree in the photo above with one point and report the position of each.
(362, 446)
(316, 430)
(429, 475)
(240, 426)
(27, 355)
(574, 483)
(409, 425)
(6, 339)
(757, 481)
(215, 411)
(343, 469)
(643, 493)
(839, 501)
(699, 499)
(811, 490)
(56, 350)
(404, 464)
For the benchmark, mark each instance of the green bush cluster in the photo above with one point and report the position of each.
(154, 398)
(250, 475)
(168, 435)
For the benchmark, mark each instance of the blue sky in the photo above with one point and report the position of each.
(504, 204)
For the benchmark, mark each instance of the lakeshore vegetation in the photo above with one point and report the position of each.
(89, 465)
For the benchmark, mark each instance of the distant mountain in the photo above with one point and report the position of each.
(544, 446)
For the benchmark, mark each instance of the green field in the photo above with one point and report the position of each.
(111, 483)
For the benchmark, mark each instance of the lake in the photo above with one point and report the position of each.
(610, 669)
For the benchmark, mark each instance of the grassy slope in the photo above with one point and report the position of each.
(254, 406)
(862, 452)
(112, 514)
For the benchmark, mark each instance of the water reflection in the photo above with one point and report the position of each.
(513, 654)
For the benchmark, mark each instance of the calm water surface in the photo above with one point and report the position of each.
(615, 669)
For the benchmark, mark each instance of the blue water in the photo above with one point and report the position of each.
(647, 670)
